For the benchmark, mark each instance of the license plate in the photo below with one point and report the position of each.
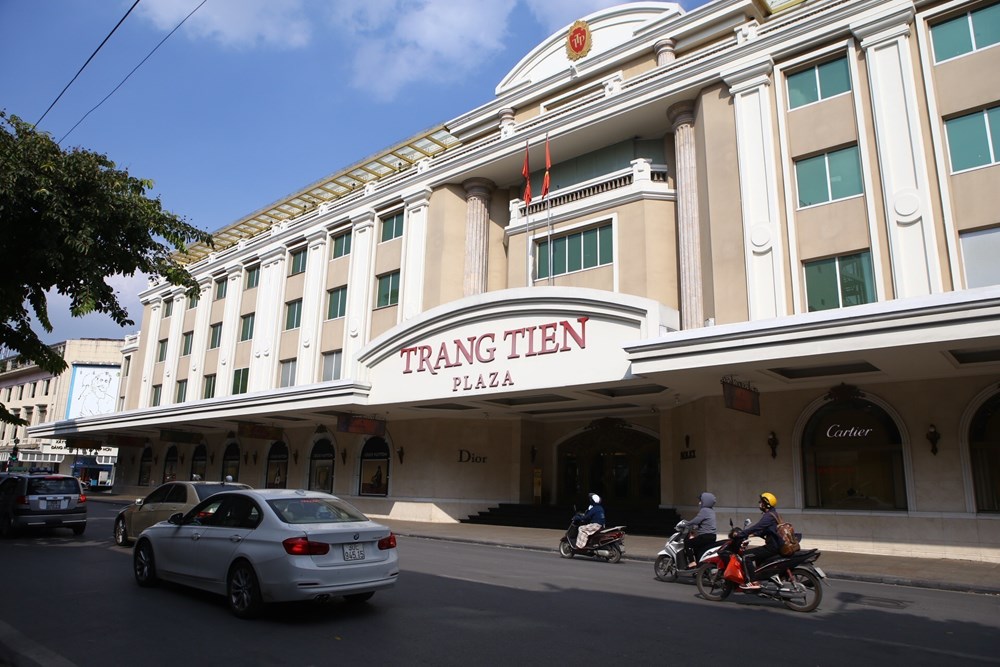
(50, 504)
(354, 551)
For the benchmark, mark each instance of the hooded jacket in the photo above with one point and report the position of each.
(703, 522)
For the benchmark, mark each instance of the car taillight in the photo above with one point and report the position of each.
(81, 499)
(387, 542)
(21, 500)
(303, 546)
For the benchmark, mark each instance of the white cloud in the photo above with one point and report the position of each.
(95, 325)
(236, 24)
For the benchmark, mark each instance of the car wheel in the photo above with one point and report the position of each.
(144, 565)
(121, 533)
(78, 530)
(243, 591)
(357, 598)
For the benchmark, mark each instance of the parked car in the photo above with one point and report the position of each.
(41, 501)
(165, 500)
(258, 546)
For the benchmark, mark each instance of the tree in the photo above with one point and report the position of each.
(69, 220)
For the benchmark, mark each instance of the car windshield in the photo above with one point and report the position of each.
(315, 510)
(41, 485)
(206, 490)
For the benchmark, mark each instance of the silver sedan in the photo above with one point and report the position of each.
(258, 546)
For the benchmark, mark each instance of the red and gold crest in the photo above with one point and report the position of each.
(578, 40)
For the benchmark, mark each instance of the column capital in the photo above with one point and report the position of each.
(749, 76)
(886, 26)
(478, 187)
(681, 113)
(664, 50)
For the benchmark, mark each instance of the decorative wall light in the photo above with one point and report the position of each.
(156, 459)
(211, 457)
(933, 437)
(255, 458)
(182, 459)
(246, 458)
(343, 456)
(534, 453)
(295, 455)
(772, 442)
(400, 453)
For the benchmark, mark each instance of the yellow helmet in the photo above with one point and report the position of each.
(769, 498)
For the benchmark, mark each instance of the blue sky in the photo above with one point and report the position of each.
(251, 100)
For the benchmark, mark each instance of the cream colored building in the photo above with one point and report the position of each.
(766, 262)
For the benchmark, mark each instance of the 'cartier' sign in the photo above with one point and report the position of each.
(838, 431)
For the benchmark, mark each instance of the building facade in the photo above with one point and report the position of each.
(759, 256)
(86, 388)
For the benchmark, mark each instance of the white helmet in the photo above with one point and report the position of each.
(596, 499)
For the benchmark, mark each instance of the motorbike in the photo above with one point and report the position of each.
(671, 561)
(607, 544)
(792, 580)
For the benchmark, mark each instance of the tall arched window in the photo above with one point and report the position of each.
(321, 463)
(374, 479)
(199, 462)
(170, 465)
(852, 457)
(984, 454)
(231, 462)
(277, 466)
(145, 467)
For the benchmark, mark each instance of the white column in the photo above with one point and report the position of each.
(149, 355)
(885, 39)
(230, 330)
(173, 350)
(755, 145)
(269, 318)
(313, 307)
(414, 259)
(477, 223)
(360, 287)
(681, 115)
(199, 343)
(664, 50)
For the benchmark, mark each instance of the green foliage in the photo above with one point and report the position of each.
(71, 219)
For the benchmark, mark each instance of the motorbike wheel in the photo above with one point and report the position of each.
(665, 568)
(711, 584)
(807, 588)
(565, 550)
(616, 553)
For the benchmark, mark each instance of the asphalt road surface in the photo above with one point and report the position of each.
(72, 601)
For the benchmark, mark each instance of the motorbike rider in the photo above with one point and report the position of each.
(702, 529)
(591, 521)
(767, 528)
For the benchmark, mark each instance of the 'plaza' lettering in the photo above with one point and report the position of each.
(484, 381)
(531, 341)
(837, 431)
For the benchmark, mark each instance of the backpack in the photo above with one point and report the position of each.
(789, 540)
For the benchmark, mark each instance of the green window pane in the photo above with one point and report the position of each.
(591, 252)
(834, 78)
(845, 173)
(821, 285)
(967, 142)
(986, 26)
(542, 260)
(993, 119)
(574, 252)
(951, 38)
(857, 282)
(558, 256)
(810, 178)
(605, 244)
(802, 88)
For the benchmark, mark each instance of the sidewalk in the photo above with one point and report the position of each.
(939, 573)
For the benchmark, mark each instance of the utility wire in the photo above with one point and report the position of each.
(134, 68)
(122, 20)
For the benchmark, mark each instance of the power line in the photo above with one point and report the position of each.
(133, 69)
(122, 20)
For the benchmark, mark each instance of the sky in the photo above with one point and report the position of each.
(251, 100)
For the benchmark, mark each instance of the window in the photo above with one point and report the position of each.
(161, 350)
(168, 308)
(192, 301)
(388, 290)
(126, 367)
(293, 314)
(392, 226)
(984, 455)
(241, 379)
(574, 252)
(974, 139)
(215, 335)
(321, 467)
(966, 33)
(208, 391)
(187, 338)
(818, 83)
(337, 302)
(220, 288)
(828, 177)
(48, 383)
(331, 365)
(34, 389)
(287, 373)
(157, 393)
(837, 282)
(298, 263)
(252, 277)
(979, 252)
(246, 327)
(341, 245)
(182, 389)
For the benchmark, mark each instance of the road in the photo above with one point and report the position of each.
(72, 601)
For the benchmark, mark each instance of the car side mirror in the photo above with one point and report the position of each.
(138, 502)
(176, 518)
